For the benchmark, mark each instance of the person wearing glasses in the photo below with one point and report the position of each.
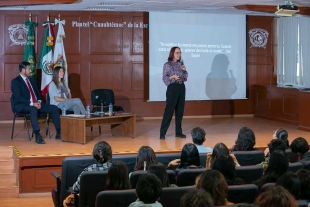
(27, 99)
(174, 76)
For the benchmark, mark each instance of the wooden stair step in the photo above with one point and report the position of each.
(9, 192)
(6, 151)
(6, 163)
(8, 179)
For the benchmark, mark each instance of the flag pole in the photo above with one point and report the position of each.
(30, 17)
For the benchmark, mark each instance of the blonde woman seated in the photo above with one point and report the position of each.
(60, 94)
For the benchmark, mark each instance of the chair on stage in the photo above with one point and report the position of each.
(25, 116)
(100, 100)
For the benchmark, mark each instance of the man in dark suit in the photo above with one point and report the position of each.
(27, 100)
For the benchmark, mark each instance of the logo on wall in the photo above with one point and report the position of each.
(258, 37)
(18, 34)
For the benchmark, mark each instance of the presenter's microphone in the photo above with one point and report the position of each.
(182, 62)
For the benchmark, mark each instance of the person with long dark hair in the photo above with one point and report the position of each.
(245, 140)
(117, 178)
(174, 76)
(160, 171)
(226, 165)
(189, 159)
(145, 157)
(218, 150)
(277, 166)
(60, 94)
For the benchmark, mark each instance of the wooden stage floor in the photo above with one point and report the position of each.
(147, 133)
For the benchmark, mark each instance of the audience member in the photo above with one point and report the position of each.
(245, 140)
(189, 159)
(102, 152)
(148, 191)
(291, 182)
(214, 183)
(276, 196)
(225, 165)
(301, 147)
(275, 144)
(304, 176)
(160, 171)
(277, 166)
(196, 198)
(145, 157)
(199, 137)
(117, 178)
(219, 149)
(279, 134)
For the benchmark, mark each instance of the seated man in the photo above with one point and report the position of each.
(102, 152)
(148, 191)
(199, 137)
(301, 147)
(27, 99)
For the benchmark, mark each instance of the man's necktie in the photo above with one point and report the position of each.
(33, 97)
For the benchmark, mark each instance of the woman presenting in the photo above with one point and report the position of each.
(60, 94)
(174, 76)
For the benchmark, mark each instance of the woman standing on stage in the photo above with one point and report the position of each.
(174, 76)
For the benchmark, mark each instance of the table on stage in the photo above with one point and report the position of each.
(73, 129)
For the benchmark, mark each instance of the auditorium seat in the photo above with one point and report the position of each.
(265, 186)
(170, 197)
(242, 193)
(187, 177)
(249, 157)
(249, 173)
(91, 183)
(294, 167)
(134, 177)
(307, 165)
(302, 203)
(291, 156)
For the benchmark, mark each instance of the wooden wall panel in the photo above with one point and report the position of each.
(106, 75)
(137, 78)
(117, 58)
(105, 40)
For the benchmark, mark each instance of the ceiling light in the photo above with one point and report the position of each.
(99, 8)
(113, 4)
(14, 7)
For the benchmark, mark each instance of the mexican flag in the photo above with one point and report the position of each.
(46, 58)
(29, 53)
(59, 50)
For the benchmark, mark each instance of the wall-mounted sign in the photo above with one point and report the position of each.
(18, 34)
(109, 24)
(258, 37)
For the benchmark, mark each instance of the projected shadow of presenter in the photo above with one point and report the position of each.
(220, 83)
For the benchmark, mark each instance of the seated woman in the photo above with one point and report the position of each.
(219, 149)
(214, 183)
(160, 171)
(60, 95)
(291, 182)
(145, 157)
(117, 178)
(279, 134)
(102, 152)
(275, 196)
(189, 159)
(304, 176)
(225, 165)
(277, 166)
(245, 140)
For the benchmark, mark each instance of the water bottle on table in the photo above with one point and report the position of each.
(110, 109)
(87, 111)
(63, 110)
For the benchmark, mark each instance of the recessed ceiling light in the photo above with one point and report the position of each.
(113, 4)
(99, 8)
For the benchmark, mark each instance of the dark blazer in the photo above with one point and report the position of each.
(21, 93)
